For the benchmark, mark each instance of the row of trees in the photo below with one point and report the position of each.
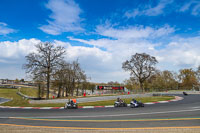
(49, 70)
(167, 80)
(145, 76)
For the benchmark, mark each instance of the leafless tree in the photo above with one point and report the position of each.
(69, 77)
(58, 80)
(78, 77)
(44, 61)
(141, 66)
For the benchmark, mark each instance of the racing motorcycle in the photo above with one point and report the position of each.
(71, 105)
(120, 104)
(184, 93)
(135, 104)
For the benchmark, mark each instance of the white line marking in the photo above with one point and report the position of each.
(27, 108)
(109, 106)
(149, 103)
(14, 107)
(88, 107)
(196, 107)
(163, 102)
(45, 108)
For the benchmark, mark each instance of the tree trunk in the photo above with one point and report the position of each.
(77, 90)
(39, 90)
(72, 89)
(82, 91)
(67, 91)
(141, 86)
(48, 84)
(63, 91)
(59, 91)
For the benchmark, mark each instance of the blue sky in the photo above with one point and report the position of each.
(101, 33)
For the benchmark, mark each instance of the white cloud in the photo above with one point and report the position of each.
(182, 52)
(74, 52)
(65, 17)
(4, 29)
(105, 65)
(134, 32)
(17, 49)
(92, 59)
(177, 54)
(149, 10)
(194, 5)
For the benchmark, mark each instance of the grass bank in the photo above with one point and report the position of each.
(12, 94)
(29, 91)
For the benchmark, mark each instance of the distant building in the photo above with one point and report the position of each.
(13, 82)
(1, 81)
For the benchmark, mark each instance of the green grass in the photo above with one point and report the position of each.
(128, 100)
(19, 101)
(29, 91)
(12, 94)
(110, 102)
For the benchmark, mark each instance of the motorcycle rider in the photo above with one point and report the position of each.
(118, 99)
(135, 101)
(121, 101)
(71, 102)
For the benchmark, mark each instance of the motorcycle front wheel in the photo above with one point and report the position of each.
(115, 105)
(132, 106)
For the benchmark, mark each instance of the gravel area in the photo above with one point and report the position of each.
(21, 129)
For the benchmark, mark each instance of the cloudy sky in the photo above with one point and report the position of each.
(101, 33)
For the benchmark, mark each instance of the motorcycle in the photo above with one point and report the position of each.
(120, 104)
(135, 104)
(184, 93)
(71, 105)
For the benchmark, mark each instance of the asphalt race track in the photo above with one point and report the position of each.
(184, 113)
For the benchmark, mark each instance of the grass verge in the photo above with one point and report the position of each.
(128, 100)
(19, 101)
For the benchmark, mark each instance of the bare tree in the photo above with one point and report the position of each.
(39, 81)
(78, 76)
(44, 61)
(68, 77)
(58, 80)
(141, 66)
